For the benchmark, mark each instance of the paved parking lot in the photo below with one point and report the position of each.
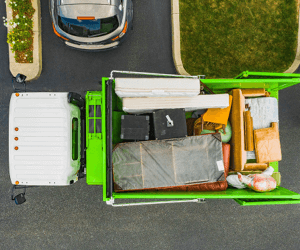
(76, 218)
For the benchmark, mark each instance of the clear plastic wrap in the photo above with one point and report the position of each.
(164, 163)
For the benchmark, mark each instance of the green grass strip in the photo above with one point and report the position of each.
(222, 38)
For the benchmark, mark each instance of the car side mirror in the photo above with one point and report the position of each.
(19, 198)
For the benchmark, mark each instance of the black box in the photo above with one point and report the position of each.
(169, 123)
(135, 127)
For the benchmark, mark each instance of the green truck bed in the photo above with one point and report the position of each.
(100, 141)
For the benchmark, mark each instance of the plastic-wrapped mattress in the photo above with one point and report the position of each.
(165, 164)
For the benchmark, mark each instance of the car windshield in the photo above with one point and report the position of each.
(88, 28)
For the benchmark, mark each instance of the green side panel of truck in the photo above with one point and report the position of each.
(255, 202)
(230, 193)
(272, 82)
(95, 136)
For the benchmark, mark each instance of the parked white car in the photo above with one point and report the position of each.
(91, 24)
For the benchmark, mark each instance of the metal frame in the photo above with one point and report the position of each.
(152, 74)
(246, 74)
(112, 202)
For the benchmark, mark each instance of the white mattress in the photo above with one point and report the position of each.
(149, 104)
(156, 87)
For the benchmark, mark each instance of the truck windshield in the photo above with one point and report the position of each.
(88, 28)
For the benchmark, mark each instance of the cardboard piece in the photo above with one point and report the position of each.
(267, 144)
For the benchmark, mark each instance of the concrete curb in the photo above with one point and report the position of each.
(176, 38)
(31, 70)
(296, 62)
(176, 41)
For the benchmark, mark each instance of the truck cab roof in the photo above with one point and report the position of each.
(40, 139)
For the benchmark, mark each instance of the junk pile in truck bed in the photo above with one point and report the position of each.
(175, 161)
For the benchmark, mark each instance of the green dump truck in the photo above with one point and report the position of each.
(56, 138)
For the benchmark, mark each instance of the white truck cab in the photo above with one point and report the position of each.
(44, 139)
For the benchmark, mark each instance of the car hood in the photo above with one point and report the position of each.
(97, 10)
(105, 2)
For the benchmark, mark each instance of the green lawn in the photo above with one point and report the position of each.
(222, 38)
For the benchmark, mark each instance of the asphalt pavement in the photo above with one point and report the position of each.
(75, 217)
